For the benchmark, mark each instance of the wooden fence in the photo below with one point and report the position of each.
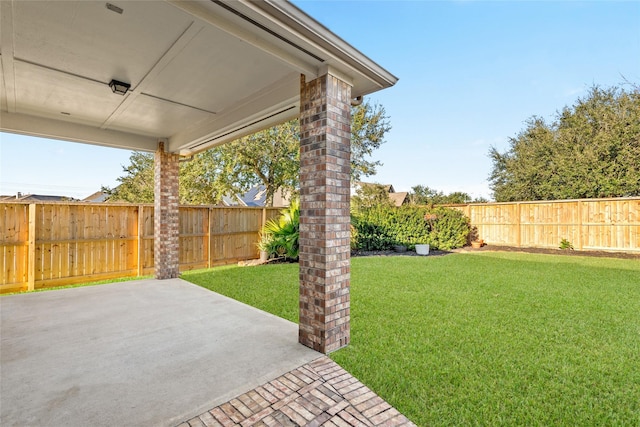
(588, 224)
(51, 244)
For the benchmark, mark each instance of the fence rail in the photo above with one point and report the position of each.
(588, 224)
(51, 244)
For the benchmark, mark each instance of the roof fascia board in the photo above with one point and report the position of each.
(293, 18)
(67, 131)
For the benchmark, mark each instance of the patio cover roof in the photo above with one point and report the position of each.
(201, 72)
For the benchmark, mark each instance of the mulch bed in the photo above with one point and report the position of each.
(497, 248)
(485, 248)
(564, 252)
(394, 253)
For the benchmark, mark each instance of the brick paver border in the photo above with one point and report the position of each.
(319, 393)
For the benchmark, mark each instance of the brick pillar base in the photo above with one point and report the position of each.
(325, 150)
(165, 223)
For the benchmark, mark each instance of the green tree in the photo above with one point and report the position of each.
(136, 186)
(369, 124)
(270, 158)
(423, 195)
(590, 150)
(370, 195)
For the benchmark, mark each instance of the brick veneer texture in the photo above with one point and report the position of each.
(165, 224)
(325, 149)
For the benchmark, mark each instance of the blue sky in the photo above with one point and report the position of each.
(471, 73)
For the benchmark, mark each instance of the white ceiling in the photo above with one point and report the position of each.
(201, 73)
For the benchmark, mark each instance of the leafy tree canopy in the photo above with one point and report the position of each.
(423, 195)
(136, 185)
(590, 150)
(270, 158)
(370, 195)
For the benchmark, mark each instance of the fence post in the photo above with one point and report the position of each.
(519, 228)
(31, 264)
(580, 225)
(140, 241)
(209, 225)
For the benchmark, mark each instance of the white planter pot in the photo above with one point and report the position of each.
(422, 249)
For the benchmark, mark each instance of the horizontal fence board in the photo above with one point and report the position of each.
(50, 283)
(13, 287)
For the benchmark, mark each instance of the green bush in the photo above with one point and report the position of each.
(280, 236)
(566, 245)
(381, 227)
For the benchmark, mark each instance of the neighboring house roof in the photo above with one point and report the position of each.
(256, 197)
(36, 198)
(97, 197)
(387, 187)
(398, 199)
(232, 200)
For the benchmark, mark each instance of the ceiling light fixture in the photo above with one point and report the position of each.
(114, 8)
(119, 87)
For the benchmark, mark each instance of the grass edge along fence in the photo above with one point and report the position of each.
(53, 244)
(611, 224)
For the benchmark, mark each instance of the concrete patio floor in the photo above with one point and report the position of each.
(140, 353)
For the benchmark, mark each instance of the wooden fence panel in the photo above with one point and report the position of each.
(589, 224)
(496, 223)
(545, 224)
(14, 247)
(145, 236)
(194, 237)
(234, 234)
(80, 242)
(611, 224)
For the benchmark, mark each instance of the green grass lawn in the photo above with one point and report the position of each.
(481, 339)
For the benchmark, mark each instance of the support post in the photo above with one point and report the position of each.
(166, 214)
(325, 150)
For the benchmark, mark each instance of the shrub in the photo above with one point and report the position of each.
(381, 227)
(368, 235)
(566, 245)
(280, 236)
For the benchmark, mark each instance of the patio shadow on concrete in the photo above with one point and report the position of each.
(143, 353)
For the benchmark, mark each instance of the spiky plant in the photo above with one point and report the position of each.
(280, 235)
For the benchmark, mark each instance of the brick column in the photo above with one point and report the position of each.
(325, 151)
(165, 222)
